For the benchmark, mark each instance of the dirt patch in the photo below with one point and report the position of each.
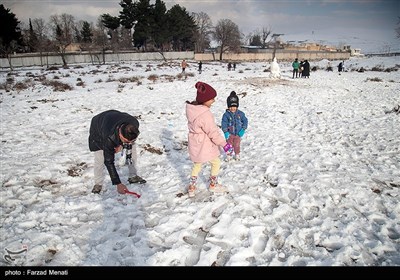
(152, 149)
(265, 82)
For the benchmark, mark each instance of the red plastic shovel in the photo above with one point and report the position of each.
(129, 192)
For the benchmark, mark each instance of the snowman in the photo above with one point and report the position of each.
(275, 70)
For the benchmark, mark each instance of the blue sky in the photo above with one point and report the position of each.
(366, 24)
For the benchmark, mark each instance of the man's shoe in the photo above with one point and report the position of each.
(97, 188)
(136, 180)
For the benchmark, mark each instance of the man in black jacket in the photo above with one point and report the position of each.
(111, 132)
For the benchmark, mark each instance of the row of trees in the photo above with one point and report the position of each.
(140, 26)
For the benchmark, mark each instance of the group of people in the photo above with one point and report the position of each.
(301, 69)
(113, 131)
(205, 138)
(184, 65)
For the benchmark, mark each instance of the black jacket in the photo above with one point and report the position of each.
(104, 135)
(306, 69)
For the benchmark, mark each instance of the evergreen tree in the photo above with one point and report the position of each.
(86, 32)
(78, 34)
(127, 18)
(159, 31)
(10, 34)
(182, 28)
(112, 23)
(144, 13)
(127, 15)
(255, 40)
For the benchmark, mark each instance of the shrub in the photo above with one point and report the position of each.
(57, 85)
(153, 77)
(376, 79)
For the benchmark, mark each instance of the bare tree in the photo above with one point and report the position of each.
(266, 31)
(100, 39)
(260, 38)
(248, 38)
(63, 28)
(204, 31)
(125, 41)
(227, 35)
(43, 43)
(28, 36)
(8, 49)
(277, 42)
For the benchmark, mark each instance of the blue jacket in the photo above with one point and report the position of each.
(233, 122)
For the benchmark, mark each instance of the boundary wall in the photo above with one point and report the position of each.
(34, 59)
(281, 55)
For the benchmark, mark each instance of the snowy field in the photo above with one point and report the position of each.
(318, 183)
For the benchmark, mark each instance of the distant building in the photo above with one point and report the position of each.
(300, 46)
(352, 51)
(356, 52)
(73, 47)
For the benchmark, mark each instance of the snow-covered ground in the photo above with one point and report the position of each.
(318, 183)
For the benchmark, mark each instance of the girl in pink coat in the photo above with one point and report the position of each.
(204, 138)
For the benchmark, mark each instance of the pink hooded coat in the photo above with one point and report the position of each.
(204, 136)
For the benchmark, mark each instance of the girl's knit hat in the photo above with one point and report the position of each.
(205, 92)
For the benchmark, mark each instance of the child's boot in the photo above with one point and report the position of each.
(192, 186)
(215, 187)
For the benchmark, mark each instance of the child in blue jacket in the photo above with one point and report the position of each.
(234, 124)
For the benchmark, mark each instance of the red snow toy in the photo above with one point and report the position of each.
(129, 192)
